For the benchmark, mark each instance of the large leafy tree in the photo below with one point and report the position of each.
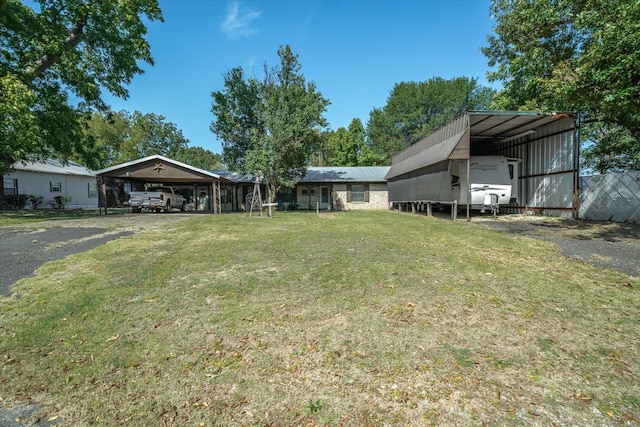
(269, 126)
(574, 55)
(198, 157)
(416, 109)
(345, 144)
(55, 59)
(151, 134)
(348, 146)
(119, 137)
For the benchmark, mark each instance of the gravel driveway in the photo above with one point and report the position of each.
(604, 244)
(26, 247)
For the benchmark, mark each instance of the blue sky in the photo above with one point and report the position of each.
(354, 50)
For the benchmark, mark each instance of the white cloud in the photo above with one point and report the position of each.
(237, 24)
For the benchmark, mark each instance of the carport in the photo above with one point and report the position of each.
(546, 143)
(202, 188)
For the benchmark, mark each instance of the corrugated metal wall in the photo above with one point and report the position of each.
(548, 172)
(432, 183)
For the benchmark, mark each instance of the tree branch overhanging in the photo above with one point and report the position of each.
(48, 59)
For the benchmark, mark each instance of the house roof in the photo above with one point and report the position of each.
(54, 166)
(327, 174)
(235, 177)
(322, 174)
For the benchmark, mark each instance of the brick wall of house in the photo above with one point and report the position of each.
(378, 198)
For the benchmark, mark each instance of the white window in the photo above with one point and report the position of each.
(357, 193)
(10, 186)
(92, 190)
(55, 187)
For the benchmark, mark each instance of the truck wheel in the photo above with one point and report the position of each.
(167, 207)
(183, 207)
(158, 210)
(137, 210)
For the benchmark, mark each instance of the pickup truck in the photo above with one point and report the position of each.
(156, 199)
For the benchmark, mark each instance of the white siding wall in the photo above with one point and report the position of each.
(39, 184)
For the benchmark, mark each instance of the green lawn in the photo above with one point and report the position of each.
(364, 318)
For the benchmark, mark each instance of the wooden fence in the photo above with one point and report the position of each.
(610, 197)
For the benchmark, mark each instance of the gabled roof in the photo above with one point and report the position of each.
(54, 166)
(157, 168)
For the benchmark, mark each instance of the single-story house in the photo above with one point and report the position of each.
(53, 178)
(326, 187)
(343, 188)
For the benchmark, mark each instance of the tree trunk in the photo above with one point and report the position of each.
(273, 192)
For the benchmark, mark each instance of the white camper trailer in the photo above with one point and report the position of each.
(492, 181)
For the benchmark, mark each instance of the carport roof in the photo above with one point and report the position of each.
(158, 168)
(501, 126)
(477, 130)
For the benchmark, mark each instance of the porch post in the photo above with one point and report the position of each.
(216, 197)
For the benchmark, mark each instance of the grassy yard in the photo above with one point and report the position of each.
(25, 216)
(364, 318)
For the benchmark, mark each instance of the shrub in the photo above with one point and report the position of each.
(59, 202)
(292, 206)
(35, 201)
(16, 201)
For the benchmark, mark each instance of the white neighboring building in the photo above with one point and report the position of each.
(50, 179)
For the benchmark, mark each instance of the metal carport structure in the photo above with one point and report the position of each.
(159, 169)
(547, 143)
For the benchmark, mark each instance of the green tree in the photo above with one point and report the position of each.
(270, 126)
(119, 137)
(579, 55)
(62, 49)
(348, 147)
(345, 146)
(151, 134)
(105, 133)
(198, 157)
(416, 109)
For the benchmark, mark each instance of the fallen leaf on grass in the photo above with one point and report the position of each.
(113, 338)
(582, 398)
(52, 418)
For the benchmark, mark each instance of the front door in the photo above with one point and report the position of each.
(324, 197)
